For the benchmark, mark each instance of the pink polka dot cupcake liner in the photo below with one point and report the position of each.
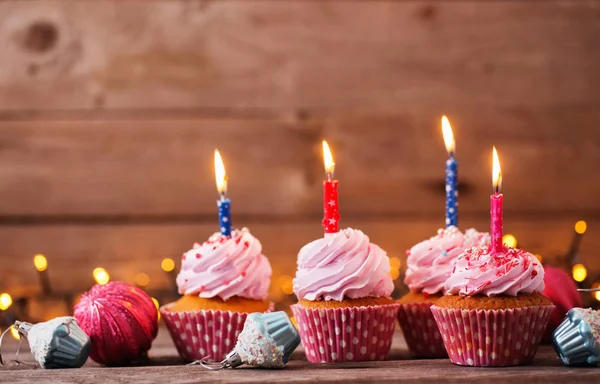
(335, 335)
(492, 338)
(421, 331)
(203, 333)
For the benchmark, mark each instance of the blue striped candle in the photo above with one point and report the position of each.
(223, 203)
(451, 191)
(451, 175)
(225, 216)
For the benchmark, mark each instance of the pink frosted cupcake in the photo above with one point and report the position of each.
(344, 312)
(430, 263)
(222, 280)
(494, 313)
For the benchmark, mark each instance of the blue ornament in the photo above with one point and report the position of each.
(577, 339)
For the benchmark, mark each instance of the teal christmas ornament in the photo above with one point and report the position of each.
(267, 341)
(58, 343)
(577, 338)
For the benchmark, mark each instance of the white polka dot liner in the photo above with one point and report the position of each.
(421, 331)
(338, 335)
(492, 338)
(200, 334)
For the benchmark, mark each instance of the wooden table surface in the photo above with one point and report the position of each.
(165, 367)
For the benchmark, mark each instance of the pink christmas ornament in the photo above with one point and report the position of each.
(120, 319)
(561, 289)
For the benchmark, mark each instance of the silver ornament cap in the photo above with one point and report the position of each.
(58, 343)
(267, 341)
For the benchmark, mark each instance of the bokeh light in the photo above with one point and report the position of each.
(101, 276)
(15, 333)
(5, 301)
(596, 294)
(40, 262)
(580, 227)
(579, 272)
(142, 279)
(509, 240)
(167, 265)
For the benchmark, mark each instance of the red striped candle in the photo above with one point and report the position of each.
(331, 217)
(496, 200)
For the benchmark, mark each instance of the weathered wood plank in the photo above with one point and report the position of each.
(388, 165)
(164, 366)
(434, 55)
(74, 251)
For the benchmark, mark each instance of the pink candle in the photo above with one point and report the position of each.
(496, 200)
(331, 218)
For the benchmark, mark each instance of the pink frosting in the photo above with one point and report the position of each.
(342, 265)
(430, 262)
(226, 267)
(508, 272)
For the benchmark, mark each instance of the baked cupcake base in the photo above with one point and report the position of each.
(418, 325)
(208, 332)
(476, 335)
(333, 332)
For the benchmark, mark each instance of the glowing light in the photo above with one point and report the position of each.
(287, 285)
(15, 333)
(328, 159)
(220, 174)
(539, 257)
(509, 240)
(395, 262)
(596, 294)
(157, 304)
(448, 135)
(579, 272)
(5, 301)
(40, 262)
(394, 273)
(101, 276)
(142, 279)
(496, 171)
(167, 265)
(580, 227)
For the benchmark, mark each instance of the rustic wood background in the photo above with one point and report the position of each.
(110, 110)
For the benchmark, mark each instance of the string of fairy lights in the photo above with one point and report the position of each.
(283, 284)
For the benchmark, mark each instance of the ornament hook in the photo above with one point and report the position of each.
(211, 365)
(16, 360)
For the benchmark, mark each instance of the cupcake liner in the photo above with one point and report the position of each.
(334, 335)
(492, 338)
(420, 330)
(203, 333)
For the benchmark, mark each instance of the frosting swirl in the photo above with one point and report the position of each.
(510, 271)
(225, 267)
(342, 265)
(430, 262)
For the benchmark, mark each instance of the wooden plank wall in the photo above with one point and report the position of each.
(109, 112)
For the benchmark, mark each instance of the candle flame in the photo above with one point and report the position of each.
(328, 159)
(40, 262)
(448, 135)
(220, 174)
(496, 171)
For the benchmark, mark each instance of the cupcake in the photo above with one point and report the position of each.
(429, 264)
(577, 339)
(344, 310)
(222, 281)
(493, 313)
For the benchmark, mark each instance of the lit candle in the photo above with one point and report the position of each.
(451, 175)
(41, 265)
(331, 218)
(223, 203)
(496, 204)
